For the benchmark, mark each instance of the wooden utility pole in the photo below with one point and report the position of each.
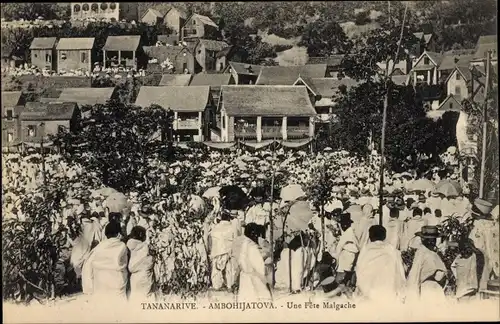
(384, 116)
(485, 125)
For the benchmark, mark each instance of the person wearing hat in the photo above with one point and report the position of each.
(427, 276)
(485, 236)
(220, 241)
(464, 269)
(379, 269)
(346, 251)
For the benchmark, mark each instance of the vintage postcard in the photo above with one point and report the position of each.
(325, 161)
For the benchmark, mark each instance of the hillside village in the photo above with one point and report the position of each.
(215, 96)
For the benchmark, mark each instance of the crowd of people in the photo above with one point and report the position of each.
(219, 233)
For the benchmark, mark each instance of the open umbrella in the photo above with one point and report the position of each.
(211, 192)
(292, 192)
(421, 185)
(449, 188)
(117, 202)
(105, 192)
(299, 216)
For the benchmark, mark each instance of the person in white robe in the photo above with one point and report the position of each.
(361, 228)
(140, 266)
(220, 243)
(413, 225)
(258, 213)
(105, 274)
(253, 285)
(379, 271)
(347, 251)
(90, 236)
(464, 269)
(394, 227)
(485, 236)
(427, 276)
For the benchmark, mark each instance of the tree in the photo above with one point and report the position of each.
(114, 141)
(320, 189)
(31, 11)
(378, 46)
(325, 37)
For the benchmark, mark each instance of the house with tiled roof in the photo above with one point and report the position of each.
(206, 53)
(173, 17)
(181, 57)
(193, 108)
(426, 68)
(198, 26)
(287, 75)
(451, 59)
(39, 120)
(261, 112)
(485, 44)
(243, 73)
(460, 82)
(12, 106)
(175, 79)
(332, 63)
(214, 80)
(85, 97)
(43, 52)
(76, 53)
(125, 51)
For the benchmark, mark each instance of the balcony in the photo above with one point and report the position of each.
(297, 131)
(249, 131)
(269, 132)
(186, 124)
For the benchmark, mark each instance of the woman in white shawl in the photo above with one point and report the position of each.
(140, 266)
(253, 282)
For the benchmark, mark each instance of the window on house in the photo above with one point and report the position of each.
(48, 58)
(223, 121)
(457, 76)
(31, 131)
(451, 105)
(184, 67)
(112, 6)
(83, 56)
(457, 91)
(10, 114)
(95, 7)
(85, 7)
(104, 6)
(63, 55)
(60, 128)
(426, 60)
(36, 55)
(221, 66)
(76, 8)
(10, 137)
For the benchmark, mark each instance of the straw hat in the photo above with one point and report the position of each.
(428, 232)
(481, 208)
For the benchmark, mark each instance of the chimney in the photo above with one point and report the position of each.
(248, 68)
(456, 59)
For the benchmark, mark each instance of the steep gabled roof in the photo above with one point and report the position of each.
(308, 83)
(175, 80)
(43, 43)
(48, 111)
(328, 87)
(75, 43)
(454, 100)
(485, 44)
(213, 45)
(463, 57)
(204, 20)
(242, 68)
(155, 12)
(86, 96)
(122, 43)
(287, 75)
(177, 98)
(255, 100)
(212, 80)
(436, 58)
(181, 12)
